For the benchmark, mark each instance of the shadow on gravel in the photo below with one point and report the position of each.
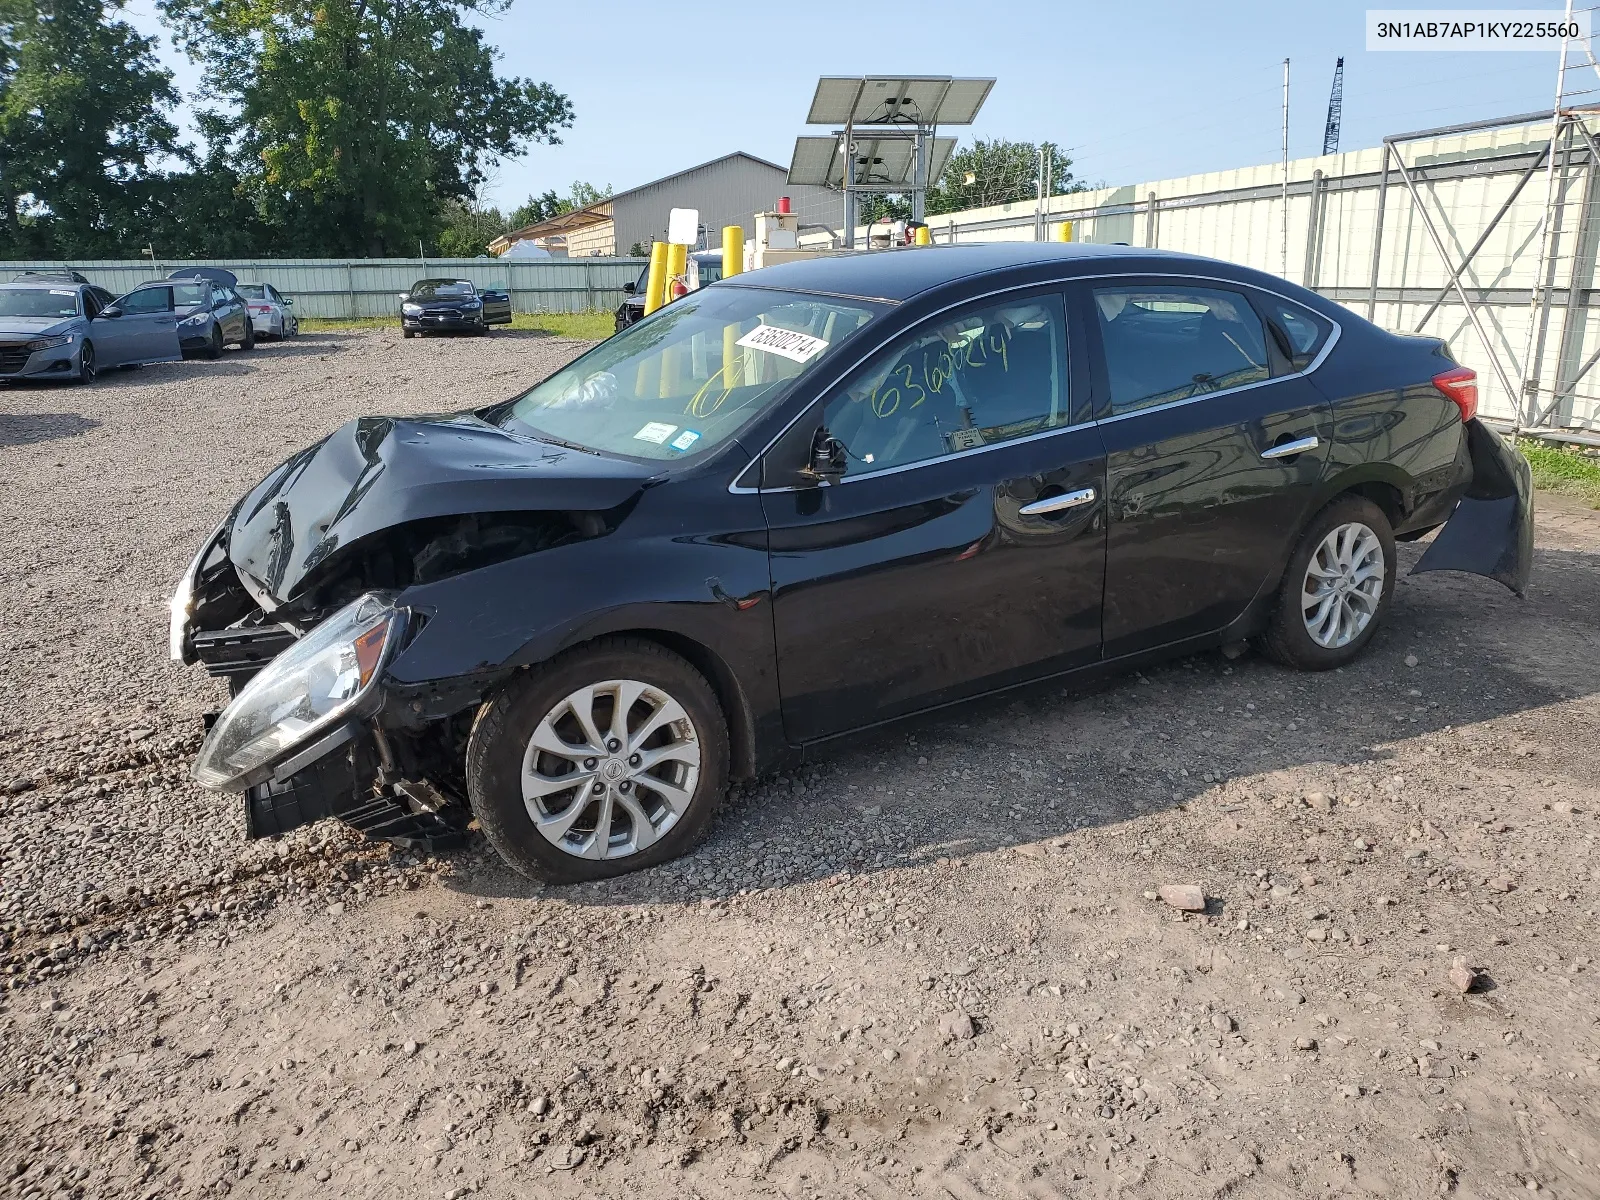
(1048, 760)
(23, 429)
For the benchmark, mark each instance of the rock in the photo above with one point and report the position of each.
(1320, 801)
(1502, 883)
(441, 1145)
(540, 1106)
(1027, 1093)
(1463, 976)
(890, 1054)
(323, 1175)
(565, 1157)
(1185, 896)
(957, 1027)
(410, 1049)
(1411, 660)
(1222, 1022)
(336, 909)
(1305, 1043)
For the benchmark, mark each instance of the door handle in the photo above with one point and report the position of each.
(1052, 504)
(1290, 449)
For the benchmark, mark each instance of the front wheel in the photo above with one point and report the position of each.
(248, 342)
(1336, 589)
(610, 758)
(86, 367)
(213, 348)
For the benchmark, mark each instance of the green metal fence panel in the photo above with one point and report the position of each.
(371, 287)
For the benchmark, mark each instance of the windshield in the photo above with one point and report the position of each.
(252, 291)
(38, 302)
(442, 289)
(186, 295)
(689, 377)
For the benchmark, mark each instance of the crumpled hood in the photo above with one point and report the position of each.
(35, 326)
(380, 472)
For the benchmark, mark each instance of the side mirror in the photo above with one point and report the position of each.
(630, 288)
(111, 310)
(828, 457)
(288, 303)
(404, 296)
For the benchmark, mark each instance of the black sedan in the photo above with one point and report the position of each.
(452, 306)
(808, 500)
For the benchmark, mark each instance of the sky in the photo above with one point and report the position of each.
(1136, 91)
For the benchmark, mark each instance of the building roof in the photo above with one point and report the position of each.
(582, 218)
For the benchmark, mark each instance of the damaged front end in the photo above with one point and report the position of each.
(299, 601)
(1490, 533)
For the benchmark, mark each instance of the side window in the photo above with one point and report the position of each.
(273, 296)
(91, 303)
(219, 298)
(1168, 344)
(1301, 333)
(956, 382)
(148, 300)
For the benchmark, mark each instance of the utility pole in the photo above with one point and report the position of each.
(1284, 268)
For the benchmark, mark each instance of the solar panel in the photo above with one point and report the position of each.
(881, 162)
(897, 100)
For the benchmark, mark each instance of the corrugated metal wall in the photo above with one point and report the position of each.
(1332, 217)
(371, 287)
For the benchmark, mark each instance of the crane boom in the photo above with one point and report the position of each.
(1330, 131)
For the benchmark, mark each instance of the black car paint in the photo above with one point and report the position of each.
(815, 609)
(446, 314)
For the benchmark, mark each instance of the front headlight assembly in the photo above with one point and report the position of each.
(325, 677)
(411, 308)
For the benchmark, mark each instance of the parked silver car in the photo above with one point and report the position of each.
(60, 326)
(269, 311)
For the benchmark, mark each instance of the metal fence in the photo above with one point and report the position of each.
(371, 287)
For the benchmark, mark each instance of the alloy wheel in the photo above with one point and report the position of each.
(1343, 585)
(610, 769)
(86, 365)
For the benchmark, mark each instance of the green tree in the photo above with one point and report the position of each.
(468, 229)
(998, 171)
(543, 207)
(351, 123)
(83, 125)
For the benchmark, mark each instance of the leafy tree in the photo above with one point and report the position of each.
(548, 205)
(468, 229)
(1001, 172)
(350, 123)
(83, 120)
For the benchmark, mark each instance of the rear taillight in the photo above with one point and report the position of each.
(1460, 384)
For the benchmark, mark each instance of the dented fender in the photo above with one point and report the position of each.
(1490, 533)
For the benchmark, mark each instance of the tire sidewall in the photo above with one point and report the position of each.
(88, 369)
(1289, 638)
(506, 723)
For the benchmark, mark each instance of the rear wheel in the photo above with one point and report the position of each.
(608, 759)
(1336, 589)
(87, 372)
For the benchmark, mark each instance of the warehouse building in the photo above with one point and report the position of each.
(727, 191)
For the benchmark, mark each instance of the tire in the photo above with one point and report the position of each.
(1348, 621)
(542, 698)
(213, 351)
(410, 333)
(249, 342)
(87, 371)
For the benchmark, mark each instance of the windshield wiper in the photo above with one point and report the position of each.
(553, 440)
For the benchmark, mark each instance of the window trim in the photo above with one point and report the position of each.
(1064, 285)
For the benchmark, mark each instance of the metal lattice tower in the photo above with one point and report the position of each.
(1330, 131)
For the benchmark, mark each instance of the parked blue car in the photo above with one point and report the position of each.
(60, 326)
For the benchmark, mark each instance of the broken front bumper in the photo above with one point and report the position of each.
(1491, 531)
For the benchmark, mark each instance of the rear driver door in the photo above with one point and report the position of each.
(1215, 441)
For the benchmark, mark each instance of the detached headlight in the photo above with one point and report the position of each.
(411, 308)
(307, 689)
(199, 318)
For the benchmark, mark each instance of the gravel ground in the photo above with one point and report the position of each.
(937, 961)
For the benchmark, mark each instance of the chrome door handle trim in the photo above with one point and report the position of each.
(1052, 504)
(1289, 449)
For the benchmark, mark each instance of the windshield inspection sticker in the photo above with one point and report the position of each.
(59, 292)
(685, 439)
(656, 431)
(801, 347)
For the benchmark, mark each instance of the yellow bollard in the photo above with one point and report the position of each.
(924, 236)
(677, 267)
(732, 358)
(1064, 231)
(732, 250)
(656, 285)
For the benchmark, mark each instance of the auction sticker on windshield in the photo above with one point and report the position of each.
(790, 343)
(656, 431)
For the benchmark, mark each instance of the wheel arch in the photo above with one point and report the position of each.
(1385, 485)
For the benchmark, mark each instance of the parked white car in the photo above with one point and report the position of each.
(269, 311)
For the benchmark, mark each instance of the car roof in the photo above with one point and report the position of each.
(900, 274)
(42, 284)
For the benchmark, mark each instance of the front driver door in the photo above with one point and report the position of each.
(963, 549)
(1214, 445)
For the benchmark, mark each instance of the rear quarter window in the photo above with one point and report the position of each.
(1301, 333)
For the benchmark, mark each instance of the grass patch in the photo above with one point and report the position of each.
(586, 326)
(1563, 469)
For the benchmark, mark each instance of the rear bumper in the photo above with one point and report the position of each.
(1490, 533)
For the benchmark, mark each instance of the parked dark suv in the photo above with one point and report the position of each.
(808, 500)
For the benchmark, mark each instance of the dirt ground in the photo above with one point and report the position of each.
(933, 962)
